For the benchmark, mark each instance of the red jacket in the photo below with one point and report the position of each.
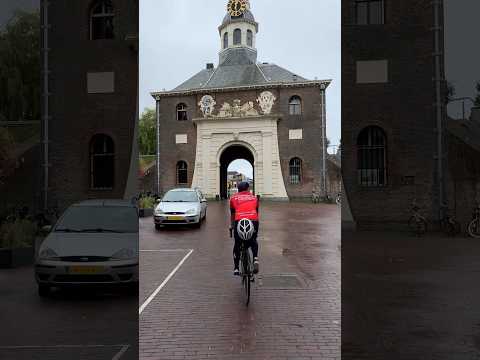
(244, 205)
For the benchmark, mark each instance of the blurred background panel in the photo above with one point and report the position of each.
(68, 123)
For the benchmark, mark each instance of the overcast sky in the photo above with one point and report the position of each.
(8, 7)
(177, 39)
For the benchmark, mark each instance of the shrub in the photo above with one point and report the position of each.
(19, 234)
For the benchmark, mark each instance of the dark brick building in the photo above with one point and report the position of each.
(92, 108)
(392, 111)
(244, 109)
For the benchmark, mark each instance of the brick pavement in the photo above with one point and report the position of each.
(410, 298)
(61, 326)
(200, 313)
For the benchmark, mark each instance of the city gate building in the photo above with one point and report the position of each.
(243, 109)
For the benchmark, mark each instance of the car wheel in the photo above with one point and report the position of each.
(158, 227)
(198, 224)
(43, 290)
(133, 289)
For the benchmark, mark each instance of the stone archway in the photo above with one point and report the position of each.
(229, 154)
(254, 136)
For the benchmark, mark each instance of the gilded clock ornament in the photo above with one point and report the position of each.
(237, 7)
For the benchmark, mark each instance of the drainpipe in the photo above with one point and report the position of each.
(46, 115)
(439, 79)
(157, 177)
(324, 139)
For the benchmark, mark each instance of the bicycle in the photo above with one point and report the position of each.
(417, 223)
(449, 224)
(246, 268)
(338, 199)
(473, 228)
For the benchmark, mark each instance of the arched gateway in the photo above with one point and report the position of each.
(222, 140)
(259, 112)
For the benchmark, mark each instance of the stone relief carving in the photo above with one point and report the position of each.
(207, 105)
(266, 101)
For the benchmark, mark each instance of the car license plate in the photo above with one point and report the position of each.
(85, 270)
(175, 218)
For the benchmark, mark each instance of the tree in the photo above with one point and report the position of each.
(20, 78)
(147, 132)
(7, 156)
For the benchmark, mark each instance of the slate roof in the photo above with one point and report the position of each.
(238, 67)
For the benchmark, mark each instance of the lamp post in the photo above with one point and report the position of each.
(157, 150)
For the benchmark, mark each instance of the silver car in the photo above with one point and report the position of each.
(93, 243)
(181, 207)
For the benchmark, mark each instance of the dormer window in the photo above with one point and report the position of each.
(237, 37)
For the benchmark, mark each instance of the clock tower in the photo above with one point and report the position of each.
(238, 32)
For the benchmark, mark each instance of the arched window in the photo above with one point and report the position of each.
(182, 173)
(225, 40)
(237, 37)
(372, 157)
(295, 105)
(102, 161)
(249, 38)
(182, 112)
(295, 171)
(101, 20)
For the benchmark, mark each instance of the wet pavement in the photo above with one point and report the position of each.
(199, 313)
(76, 325)
(410, 298)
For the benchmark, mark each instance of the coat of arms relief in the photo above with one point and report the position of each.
(266, 100)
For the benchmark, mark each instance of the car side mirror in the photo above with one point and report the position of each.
(45, 230)
(158, 201)
(204, 200)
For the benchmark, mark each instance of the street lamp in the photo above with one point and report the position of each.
(462, 99)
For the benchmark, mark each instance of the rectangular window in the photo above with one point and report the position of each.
(369, 12)
(372, 71)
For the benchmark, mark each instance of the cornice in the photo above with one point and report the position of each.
(322, 84)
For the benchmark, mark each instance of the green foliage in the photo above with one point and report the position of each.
(7, 161)
(19, 234)
(20, 75)
(146, 202)
(147, 132)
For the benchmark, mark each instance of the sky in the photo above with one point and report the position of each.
(462, 53)
(177, 39)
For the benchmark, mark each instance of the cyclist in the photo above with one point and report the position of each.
(244, 205)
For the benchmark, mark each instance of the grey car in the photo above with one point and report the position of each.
(93, 243)
(181, 207)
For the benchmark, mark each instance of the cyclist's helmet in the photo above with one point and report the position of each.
(245, 229)
(243, 186)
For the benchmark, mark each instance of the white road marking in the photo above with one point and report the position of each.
(117, 356)
(122, 351)
(165, 250)
(167, 279)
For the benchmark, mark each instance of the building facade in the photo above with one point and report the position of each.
(393, 118)
(90, 110)
(243, 109)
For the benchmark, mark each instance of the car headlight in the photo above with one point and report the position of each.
(48, 254)
(123, 254)
(191, 212)
(159, 212)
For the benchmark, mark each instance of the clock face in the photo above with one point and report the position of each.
(237, 7)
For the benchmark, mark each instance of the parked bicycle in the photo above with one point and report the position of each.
(417, 223)
(473, 228)
(449, 224)
(338, 199)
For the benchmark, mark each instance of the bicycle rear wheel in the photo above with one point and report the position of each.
(474, 228)
(247, 270)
